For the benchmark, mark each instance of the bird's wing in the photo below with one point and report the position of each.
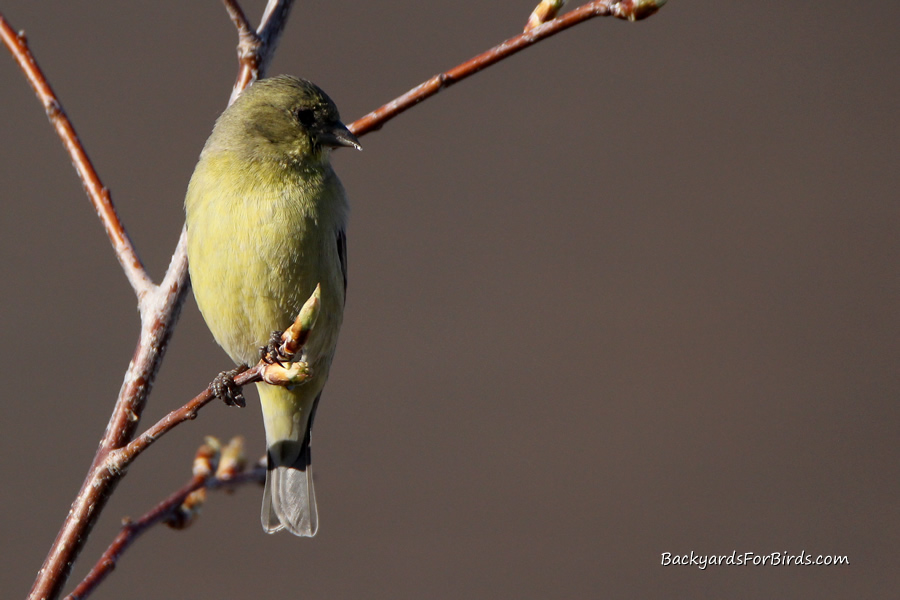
(342, 255)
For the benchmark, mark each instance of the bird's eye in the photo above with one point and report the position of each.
(306, 116)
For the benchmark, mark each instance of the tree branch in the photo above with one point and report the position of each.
(293, 340)
(631, 10)
(158, 317)
(96, 191)
(256, 49)
(228, 471)
(164, 511)
(244, 29)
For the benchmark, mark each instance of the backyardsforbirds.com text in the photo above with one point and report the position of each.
(773, 559)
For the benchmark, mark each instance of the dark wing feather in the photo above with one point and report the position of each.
(342, 255)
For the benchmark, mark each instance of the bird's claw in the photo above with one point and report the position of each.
(271, 353)
(224, 388)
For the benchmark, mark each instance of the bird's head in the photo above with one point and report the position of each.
(282, 118)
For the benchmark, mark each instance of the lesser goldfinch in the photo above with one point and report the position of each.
(266, 216)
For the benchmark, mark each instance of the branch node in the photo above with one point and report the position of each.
(52, 108)
(113, 464)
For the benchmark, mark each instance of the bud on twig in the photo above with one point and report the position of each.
(290, 374)
(205, 463)
(295, 336)
(543, 12)
(207, 457)
(635, 10)
(233, 460)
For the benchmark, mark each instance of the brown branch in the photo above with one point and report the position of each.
(249, 44)
(121, 458)
(293, 340)
(96, 191)
(244, 29)
(255, 49)
(118, 460)
(158, 317)
(131, 530)
(624, 9)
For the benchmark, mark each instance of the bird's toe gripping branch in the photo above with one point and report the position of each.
(275, 366)
(224, 387)
(271, 353)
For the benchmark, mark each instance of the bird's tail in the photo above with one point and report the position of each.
(289, 501)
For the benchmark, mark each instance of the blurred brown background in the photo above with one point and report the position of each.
(633, 291)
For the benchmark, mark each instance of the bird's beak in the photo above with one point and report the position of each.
(337, 135)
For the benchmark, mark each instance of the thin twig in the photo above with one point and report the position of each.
(623, 9)
(249, 44)
(256, 49)
(121, 458)
(96, 191)
(118, 460)
(131, 530)
(244, 29)
(293, 340)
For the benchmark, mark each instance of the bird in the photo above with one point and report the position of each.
(266, 217)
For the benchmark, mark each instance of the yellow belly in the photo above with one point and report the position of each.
(256, 253)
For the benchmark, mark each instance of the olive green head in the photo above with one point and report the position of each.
(282, 118)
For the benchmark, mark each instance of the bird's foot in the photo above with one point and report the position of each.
(271, 353)
(224, 388)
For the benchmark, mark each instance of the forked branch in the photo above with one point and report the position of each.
(255, 48)
(228, 472)
(180, 508)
